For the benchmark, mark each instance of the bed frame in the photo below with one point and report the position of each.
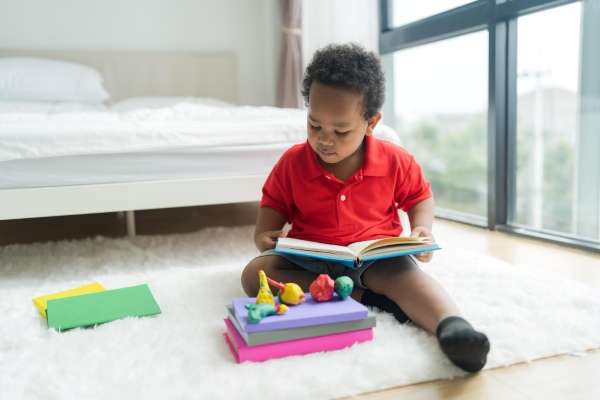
(140, 73)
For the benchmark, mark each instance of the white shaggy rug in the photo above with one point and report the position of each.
(181, 353)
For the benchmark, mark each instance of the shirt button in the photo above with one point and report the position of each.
(343, 197)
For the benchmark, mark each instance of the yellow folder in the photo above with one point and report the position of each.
(41, 302)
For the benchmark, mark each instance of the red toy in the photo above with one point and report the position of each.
(321, 289)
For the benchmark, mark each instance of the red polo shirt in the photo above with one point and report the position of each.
(323, 208)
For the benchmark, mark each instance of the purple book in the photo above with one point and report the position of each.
(306, 314)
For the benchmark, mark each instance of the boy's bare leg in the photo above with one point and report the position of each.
(428, 305)
(277, 268)
(421, 297)
(417, 294)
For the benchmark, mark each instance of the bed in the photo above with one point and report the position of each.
(171, 136)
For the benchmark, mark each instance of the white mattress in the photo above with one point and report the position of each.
(63, 146)
(31, 135)
(193, 162)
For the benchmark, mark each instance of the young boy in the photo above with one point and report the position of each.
(343, 186)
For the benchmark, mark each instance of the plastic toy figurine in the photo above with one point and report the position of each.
(264, 296)
(322, 288)
(289, 293)
(256, 312)
(343, 286)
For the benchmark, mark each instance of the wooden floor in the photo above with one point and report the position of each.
(564, 377)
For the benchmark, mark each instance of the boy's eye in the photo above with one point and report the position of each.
(342, 133)
(316, 128)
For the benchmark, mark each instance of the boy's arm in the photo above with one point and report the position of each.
(421, 221)
(269, 224)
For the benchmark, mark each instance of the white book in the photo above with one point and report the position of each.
(356, 253)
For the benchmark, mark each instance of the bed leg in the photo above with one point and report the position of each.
(130, 222)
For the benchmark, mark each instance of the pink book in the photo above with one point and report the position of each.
(242, 352)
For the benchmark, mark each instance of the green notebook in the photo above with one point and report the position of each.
(97, 308)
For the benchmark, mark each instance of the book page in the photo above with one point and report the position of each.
(368, 245)
(392, 249)
(291, 243)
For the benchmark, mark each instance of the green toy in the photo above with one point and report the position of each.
(256, 312)
(343, 286)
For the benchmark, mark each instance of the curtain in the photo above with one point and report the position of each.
(290, 66)
(339, 21)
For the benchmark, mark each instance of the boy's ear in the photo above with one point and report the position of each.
(372, 123)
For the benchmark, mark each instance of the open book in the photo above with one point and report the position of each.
(355, 254)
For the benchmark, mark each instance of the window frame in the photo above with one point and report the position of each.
(500, 20)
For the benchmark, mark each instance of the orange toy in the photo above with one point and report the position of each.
(289, 293)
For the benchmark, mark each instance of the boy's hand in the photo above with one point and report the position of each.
(267, 240)
(422, 231)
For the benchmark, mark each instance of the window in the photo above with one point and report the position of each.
(404, 12)
(440, 112)
(550, 163)
(499, 100)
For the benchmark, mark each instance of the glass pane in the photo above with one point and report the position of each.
(556, 175)
(404, 12)
(440, 111)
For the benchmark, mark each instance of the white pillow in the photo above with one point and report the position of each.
(39, 79)
(155, 102)
(47, 107)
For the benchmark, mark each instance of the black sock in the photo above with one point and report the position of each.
(464, 346)
(370, 298)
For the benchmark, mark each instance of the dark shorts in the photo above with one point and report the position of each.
(332, 269)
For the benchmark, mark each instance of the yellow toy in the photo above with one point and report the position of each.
(264, 296)
(265, 303)
(289, 293)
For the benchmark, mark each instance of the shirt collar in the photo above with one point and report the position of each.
(373, 165)
(313, 168)
(375, 161)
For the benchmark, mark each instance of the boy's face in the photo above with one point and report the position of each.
(336, 125)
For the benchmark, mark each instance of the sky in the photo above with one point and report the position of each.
(451, 76)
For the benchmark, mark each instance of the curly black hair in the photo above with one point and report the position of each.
(349, 66)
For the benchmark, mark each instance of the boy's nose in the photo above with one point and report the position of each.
(325, 139)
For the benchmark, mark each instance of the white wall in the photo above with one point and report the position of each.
(248, 28)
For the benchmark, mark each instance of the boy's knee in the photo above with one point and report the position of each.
(250, 277)
(270, 264)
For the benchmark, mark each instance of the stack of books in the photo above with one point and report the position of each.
(309, 327)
